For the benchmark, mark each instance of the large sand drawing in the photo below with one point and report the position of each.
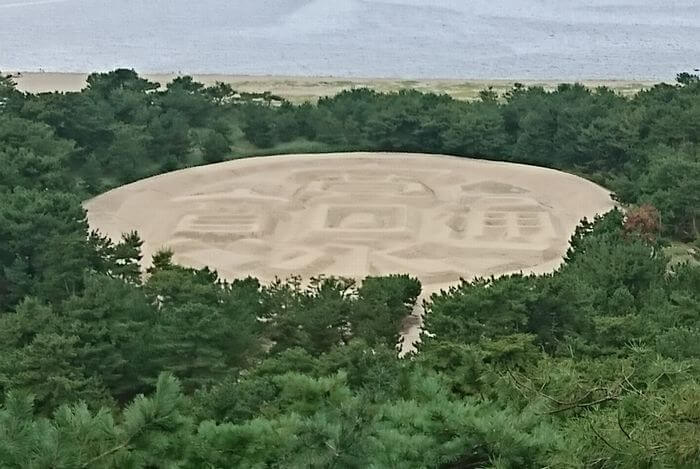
(435, 217)
(438, 218)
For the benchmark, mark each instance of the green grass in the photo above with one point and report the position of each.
(682, 252)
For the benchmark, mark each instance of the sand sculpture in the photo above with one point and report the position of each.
(438, 218)
(435, 217)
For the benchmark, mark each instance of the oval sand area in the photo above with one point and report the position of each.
(438, 218)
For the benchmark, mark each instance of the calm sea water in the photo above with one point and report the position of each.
(540, 39)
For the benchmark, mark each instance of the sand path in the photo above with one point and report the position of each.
(438, 218)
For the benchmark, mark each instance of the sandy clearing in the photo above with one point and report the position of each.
(438, 218)
(300, 89)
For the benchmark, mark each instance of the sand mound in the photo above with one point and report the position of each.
(357, 214)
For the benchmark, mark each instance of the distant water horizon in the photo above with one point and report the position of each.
(480, 39)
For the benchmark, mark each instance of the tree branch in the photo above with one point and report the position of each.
(106, 453)
(585, 404)
(607, 443)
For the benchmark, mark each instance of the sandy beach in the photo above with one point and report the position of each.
(437, 218)
(300, 89)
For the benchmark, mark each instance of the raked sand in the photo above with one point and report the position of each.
(438, 218)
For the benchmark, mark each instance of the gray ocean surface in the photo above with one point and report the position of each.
(480, 39)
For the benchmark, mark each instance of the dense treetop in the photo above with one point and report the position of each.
(594, 365)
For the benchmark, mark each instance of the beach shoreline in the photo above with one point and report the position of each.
(311, 88)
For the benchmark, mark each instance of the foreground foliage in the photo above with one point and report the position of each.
(595, 365)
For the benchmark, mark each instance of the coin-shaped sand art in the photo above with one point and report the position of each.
(435, 217)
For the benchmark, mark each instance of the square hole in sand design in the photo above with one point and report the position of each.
(223, 225)
(364, 217)
(228, 221)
